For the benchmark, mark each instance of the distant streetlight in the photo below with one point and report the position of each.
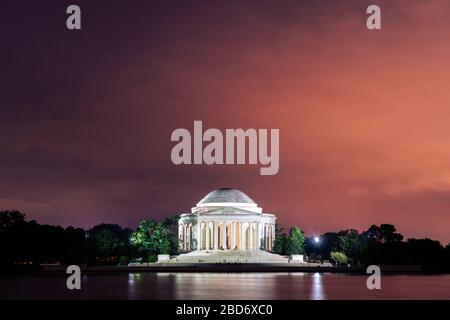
(316, 240)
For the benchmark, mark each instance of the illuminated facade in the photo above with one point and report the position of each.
(226, 219)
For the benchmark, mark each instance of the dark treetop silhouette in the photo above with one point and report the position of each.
(25, 242)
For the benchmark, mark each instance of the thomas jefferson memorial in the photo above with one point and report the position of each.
(226, 219)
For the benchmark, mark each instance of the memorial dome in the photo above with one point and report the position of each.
(226, 196)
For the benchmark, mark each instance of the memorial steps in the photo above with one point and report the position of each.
(229, 256)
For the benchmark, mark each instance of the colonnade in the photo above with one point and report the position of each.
(227, 235)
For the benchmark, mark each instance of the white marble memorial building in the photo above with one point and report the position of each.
(226, 219)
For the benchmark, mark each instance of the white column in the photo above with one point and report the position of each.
(238, 233)
(269, 231)
(259, 236)
(221, 235)
(263, 236)
(216, 236)
(207, 235)
(199, 235)
(270, 237)
(255, 235)
(233, 240)
(266, 235)
(250, 234)
(181, 230)
(191, 236)
(180, 236)
(188, 237)
(242, 236)
(185, 237)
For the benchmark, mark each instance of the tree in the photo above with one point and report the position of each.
(152, 237)
(279, 245)
(13, 237)
(124, 260)
(384, 245)
(171, 223)
(389, 234)
(338, 258)
(10, 218)
(447, 257)
(385, 233)
(352, 244)
(107, 242)
(26, 241)
(295, 242)
(74, 246)
(141, 237)
(430, 254)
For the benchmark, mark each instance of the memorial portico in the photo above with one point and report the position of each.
(226, 219)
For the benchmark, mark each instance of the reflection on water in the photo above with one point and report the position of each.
(133, 280)
(246, 285)
(225, 285)
(302, 286)
(317, 292)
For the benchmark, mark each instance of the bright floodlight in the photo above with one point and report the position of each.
(316, 239)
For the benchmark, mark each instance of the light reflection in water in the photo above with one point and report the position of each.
(227, 285)
(317, 290)
(237, 285)
(134, 279)
(224, 285)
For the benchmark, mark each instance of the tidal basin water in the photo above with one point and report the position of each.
(194, 286)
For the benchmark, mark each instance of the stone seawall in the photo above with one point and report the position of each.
(240, 268)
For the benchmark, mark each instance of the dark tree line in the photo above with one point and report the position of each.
(380, 245)
(25, 242)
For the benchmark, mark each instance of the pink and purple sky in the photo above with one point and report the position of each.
(364, 116)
